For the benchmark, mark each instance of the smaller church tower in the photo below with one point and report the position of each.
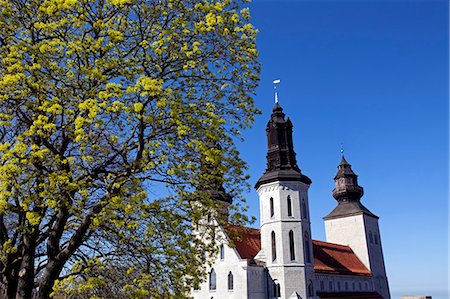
(286, 248)
(352, 224)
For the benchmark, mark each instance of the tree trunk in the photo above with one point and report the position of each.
(51, 273)
(25, 281)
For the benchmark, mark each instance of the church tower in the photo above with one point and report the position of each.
(352, 224)
(286, 248)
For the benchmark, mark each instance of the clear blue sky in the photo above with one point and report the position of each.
(373, 75)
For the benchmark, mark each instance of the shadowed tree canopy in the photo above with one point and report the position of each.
(107, 111)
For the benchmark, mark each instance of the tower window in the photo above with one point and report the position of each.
(274, 247)
(375, 238)
(292, 245)
(304, 212)
(272, 211)
(222, 252)
(276, 290)
(230, 281)
(370, 237)
(289, 206)
(310, 289)
(212, 280)
(307, 249)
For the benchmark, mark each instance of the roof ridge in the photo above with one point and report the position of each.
(332, 244)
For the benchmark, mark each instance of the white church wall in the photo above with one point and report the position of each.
(222, 267)
(257, 282)
(349, 231)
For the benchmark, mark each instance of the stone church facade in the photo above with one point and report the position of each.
(280, 260)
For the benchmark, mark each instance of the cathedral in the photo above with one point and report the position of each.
(280, 260)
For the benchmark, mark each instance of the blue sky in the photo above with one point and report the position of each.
(372, 75)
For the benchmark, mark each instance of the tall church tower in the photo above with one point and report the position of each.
(352, 224)
(286, 247)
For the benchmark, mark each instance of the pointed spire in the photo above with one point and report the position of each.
(211, 184)
(281, 161)
(347, 192)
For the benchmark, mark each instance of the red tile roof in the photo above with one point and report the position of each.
(247, 242)
(328, 257)
(337, 259)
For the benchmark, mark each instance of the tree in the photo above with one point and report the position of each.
(107, 110)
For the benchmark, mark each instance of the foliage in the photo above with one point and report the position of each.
(107, 112)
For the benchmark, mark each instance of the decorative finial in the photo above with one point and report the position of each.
(275, 82)
(342, 149)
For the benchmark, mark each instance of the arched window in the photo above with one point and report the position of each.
(353, 286)
(212, 280)
(307, 249)
(310, 289)
(346, 286)
(276, 290)
(222, 252)
(360, 286)
(322, 285)
(230, 281)
(289, 206)
(292, 245)
(272, 212)
(304, 212)
(330, 286)
(274, 247)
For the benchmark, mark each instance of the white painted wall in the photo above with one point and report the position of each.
(292, 275)
(356, 231)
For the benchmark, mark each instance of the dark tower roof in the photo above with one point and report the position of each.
(281, 162)
(347, 193)
(211, 183)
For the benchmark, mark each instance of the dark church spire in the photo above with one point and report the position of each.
(212, 178)
(347, 192)
(281, 161)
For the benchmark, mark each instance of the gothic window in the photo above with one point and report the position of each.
(230, 281)
(304, 212)
(310, 289)
(292, 245)
(212, 280)
(370, 237)
(274, 247)
(222, 252)
(307, 249)
(276, 290)
(289, 206)
(272, 212)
